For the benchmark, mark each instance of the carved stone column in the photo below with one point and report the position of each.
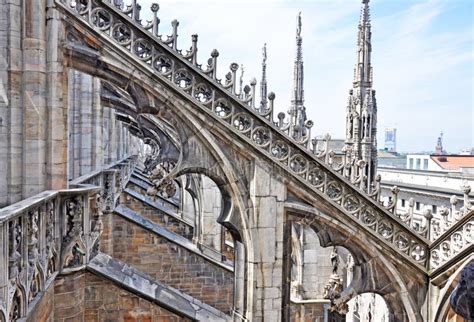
(11, 114)
(34, 93)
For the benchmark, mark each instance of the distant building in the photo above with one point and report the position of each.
(467, 151)
(452, 163)
(424, 189)
(391, 139)
(427, 182)
(391, 160)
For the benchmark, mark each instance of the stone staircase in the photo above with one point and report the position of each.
(147, 237)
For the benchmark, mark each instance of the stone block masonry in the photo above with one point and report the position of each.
(168, 263)
(169, 222)
(83, 296)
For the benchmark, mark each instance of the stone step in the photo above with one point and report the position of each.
(156, 212)
(168, 257)
(143, 285)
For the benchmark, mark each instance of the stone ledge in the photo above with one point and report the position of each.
(141, 284)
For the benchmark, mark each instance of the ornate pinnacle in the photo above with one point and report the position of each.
(298, 25)
(263, 83)
(363, 68)
(297, 109)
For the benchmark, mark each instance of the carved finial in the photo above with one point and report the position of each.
(298, 25)
(155, 7)
(263, 83)
(264, 53)
(241, 81)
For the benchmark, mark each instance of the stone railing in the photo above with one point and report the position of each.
(458, 239)
(450, 217)
(112, 178)
(50, 233)
(309, 161)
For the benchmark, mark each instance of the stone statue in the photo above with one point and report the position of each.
(298, 27)
(334, 261)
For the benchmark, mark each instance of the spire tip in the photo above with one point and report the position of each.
(298, 27)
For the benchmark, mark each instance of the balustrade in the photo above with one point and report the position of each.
(50, 233)
(454, 241)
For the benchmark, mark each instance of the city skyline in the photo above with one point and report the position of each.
(421, 58)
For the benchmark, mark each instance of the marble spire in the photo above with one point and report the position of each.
(263, 83)
(361, 120)
(297, 110)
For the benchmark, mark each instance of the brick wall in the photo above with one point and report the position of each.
(168, 262)
(156, 216)
(106, 302)
(312, 312)
(156, 199)
(83, 296)
(69, 297)
(43, 310)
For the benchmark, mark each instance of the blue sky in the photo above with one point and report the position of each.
(422, 59)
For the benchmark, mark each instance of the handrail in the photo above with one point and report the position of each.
(55, 231)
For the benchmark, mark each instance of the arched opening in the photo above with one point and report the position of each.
(367, 307)
(17, 306)
(459, 282)
(317, 274)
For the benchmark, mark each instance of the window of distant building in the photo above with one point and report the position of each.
(411, 164)
(418, 164)
(435, 209)
(425, 164)
(417, 205)
(403, 202)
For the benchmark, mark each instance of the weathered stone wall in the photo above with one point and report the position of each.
(313, 312)
(268, 220)
(69, 302)
(93, 128)
(33, 126)
(83, 296)
(211, 209)
(168, 262)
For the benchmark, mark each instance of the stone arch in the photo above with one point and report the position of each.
(18, 304)
(37, 283)
(369, 306)
(372, 272)
(443, 308)
(2, 316)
